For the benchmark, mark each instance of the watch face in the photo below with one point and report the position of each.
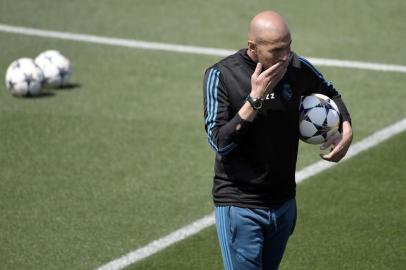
(257, 104)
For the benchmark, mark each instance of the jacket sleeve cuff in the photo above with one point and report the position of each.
(239, 126)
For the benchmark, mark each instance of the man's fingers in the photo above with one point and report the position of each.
(326, 144)
(333, 140)
(266, 81)
(258, 69)
(332, 156)
(271, 70)
(336, 154)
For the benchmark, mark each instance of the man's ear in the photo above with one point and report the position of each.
(252, 46)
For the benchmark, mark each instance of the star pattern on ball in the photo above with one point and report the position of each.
(10, 84)
(28, 78)
(316, 118)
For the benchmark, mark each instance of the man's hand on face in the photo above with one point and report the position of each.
(264, 82)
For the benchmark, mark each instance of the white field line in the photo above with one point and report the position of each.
(208, 220)
(355, 149)
(131, 43)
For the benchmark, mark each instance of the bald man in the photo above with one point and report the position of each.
(251, 102)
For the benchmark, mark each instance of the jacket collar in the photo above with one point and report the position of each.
(243, 53)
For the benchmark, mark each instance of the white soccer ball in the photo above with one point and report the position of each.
(319, 119)
(56, 67)
(24, 78)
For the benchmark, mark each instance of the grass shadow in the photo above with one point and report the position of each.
(69, 86)
(41, 95)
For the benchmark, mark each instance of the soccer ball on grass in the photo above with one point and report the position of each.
(24, 78)
(319, 119)
(56, 67)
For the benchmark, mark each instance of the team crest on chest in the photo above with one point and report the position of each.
(287, 91)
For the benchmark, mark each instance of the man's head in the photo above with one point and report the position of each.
(269, 39)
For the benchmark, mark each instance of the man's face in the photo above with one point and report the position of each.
(276, 49)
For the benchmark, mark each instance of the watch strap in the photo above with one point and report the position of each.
(256, 103)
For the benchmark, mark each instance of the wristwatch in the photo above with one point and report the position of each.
(256, 103)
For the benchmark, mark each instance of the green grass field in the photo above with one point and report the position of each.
(350, 217)
(93, 172)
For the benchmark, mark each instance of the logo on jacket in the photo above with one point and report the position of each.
(287, 91)
(270, 96)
